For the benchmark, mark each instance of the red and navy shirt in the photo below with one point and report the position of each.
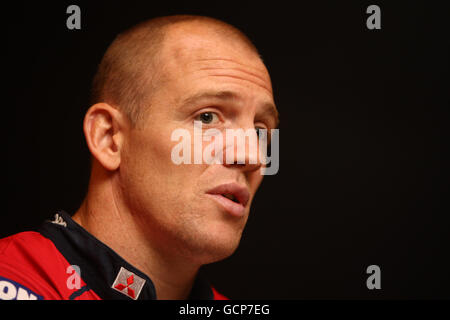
(62, 261)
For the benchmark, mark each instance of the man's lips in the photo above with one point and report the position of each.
(232, 196)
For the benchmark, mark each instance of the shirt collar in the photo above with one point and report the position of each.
(102, 269)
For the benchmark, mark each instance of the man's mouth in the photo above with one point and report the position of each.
(232, 197)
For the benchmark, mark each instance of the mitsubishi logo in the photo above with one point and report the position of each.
(121, 286)
(128, 283)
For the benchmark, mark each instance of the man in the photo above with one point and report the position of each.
(147, 224)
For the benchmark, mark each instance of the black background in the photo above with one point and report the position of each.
(363, 120)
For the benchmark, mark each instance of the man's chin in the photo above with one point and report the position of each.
(215, 256)
(214, 250)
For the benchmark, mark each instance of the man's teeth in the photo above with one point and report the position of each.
(230, 196)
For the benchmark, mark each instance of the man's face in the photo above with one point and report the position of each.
(203, 73)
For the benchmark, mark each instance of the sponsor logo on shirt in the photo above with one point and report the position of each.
(128, 283)
(11, 290)
(57, 219)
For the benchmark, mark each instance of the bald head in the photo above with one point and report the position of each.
(133, 66)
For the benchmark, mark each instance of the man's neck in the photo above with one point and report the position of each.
(102, 215)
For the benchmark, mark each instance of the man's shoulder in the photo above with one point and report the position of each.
(23, 243)
(29, 266)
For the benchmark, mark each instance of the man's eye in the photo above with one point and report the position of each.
(207, 117)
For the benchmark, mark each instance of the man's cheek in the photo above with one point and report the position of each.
(255, 179)
(158, 151)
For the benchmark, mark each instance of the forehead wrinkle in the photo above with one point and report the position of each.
(220, 65)
(229, 60)
(224, 63)
(237, 69)
(243, 79)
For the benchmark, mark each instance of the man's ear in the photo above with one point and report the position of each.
(104, 131)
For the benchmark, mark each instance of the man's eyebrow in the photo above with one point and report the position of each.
(221, 95)
(268, 109)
